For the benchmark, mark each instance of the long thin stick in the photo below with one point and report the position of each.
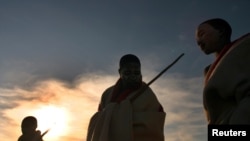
(169, 66)
(44, 133)
(156, 77)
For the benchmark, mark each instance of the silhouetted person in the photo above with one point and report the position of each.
(226, 93)
(29, 132)
(122, 116)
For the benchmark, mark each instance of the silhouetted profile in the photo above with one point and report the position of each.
(123, 117)
(29, 132)
(226, 93)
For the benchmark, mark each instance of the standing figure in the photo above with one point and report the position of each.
(129, 110)
(226, 94)
(29, 132)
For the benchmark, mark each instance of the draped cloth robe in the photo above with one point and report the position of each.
(227, 85)
(138, 120)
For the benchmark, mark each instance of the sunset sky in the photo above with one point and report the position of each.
(58, 56)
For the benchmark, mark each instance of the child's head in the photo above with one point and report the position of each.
(29, 125)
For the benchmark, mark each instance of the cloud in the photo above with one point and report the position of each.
(80, 102)
(182, 100)
(180, 97)
(182, 37)
(29, 90)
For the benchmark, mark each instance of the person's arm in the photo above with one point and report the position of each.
(103, 100)
(37, 136)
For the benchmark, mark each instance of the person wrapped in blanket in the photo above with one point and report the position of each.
(29, 132)
(226, 94)
(129, 110)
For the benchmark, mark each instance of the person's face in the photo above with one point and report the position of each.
(28, 130)
(130, 75)
(208, 39)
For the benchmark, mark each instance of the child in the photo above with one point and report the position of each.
(29, 132)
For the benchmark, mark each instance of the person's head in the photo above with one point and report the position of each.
(29, 125)
(212, 35)
(130, 71)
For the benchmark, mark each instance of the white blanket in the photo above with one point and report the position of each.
(227, 92)
(128, 121)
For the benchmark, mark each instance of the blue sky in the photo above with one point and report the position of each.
(74, 43)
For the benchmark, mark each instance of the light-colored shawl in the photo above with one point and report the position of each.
(227, 91)
(139, 120)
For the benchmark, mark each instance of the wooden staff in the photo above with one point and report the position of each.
(155, 78)
(44, 133)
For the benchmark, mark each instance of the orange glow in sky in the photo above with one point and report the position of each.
(52, 118)
(65, 111)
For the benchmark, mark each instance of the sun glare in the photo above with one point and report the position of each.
(52, 118)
